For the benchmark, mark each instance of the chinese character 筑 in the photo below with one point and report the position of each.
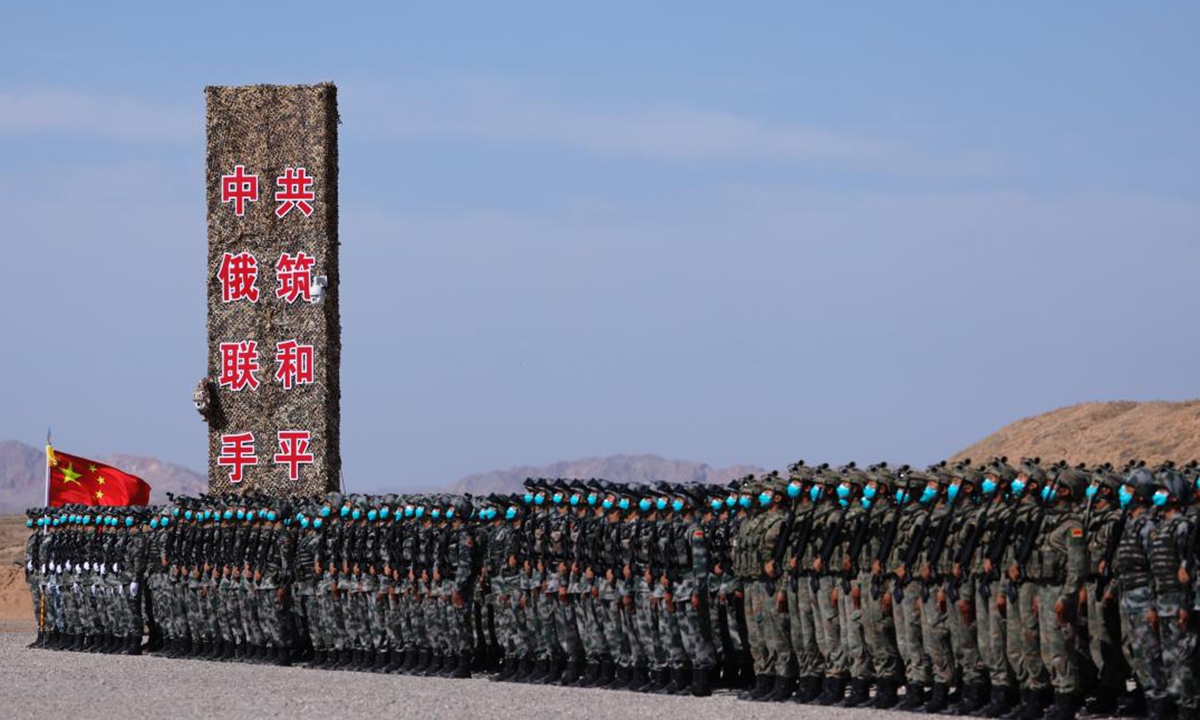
(295, 277)
(237, 451)
(293, 451)
(239, 188)
(294, 192)
(239, 362)
(295, 364)
(239, 277)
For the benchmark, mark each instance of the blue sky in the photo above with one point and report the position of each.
(745, 232)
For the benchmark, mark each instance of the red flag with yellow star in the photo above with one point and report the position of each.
(78, 481)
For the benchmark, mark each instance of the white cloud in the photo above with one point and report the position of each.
(117, 117)
(500, 115)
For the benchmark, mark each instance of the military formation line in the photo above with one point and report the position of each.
(1019, 591)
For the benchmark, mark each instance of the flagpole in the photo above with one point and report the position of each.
(46, 498)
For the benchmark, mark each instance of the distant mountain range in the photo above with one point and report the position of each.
(618, 468)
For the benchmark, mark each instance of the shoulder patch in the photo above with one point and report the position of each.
(698, 533)
(1077, 532)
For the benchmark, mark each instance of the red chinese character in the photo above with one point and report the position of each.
(294, 275)
(293, 451)
(295, 363)
(239, 362)
(239, 188)
(293, 192)
(239, 277)
(237, 451)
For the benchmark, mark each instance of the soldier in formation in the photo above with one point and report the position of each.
(1020, 591)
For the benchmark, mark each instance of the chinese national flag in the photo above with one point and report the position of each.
(76, 480)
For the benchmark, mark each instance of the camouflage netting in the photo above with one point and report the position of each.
(267, 128)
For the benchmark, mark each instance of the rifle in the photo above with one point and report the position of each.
(805, 535)
(1110, 551)
(856, 546)
(936, 549)
(967, 551)
(885, 549)
(827, 548)
(995, 553)
(910, 558)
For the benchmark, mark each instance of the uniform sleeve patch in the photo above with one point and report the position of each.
(1077, 532)
(698, 533)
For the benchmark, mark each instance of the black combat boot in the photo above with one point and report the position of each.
(604, 676)
(463, 670)
(860, 693)
(591, 673)
(808, 689)
(1183, 713)
(702, 682)
(1042, 699)
(134, 646)
(914, 698)
(37, 641)
(834, 692)
(885, 694)
(1065, 707)
(763, 684)
(620, 679)
(1105, 701)
(973, 698)
(570, 674)
(1000, 702)
(1134, 704)
(640, 679)
(938, 699)
(782, 689)
(684, 680)
(658, 680)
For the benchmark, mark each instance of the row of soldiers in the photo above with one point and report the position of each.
(990, 590)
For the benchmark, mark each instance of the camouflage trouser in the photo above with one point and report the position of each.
(358, 618)
(881, 631)
(647, 626)
(992, 634)
(377, 627)
(35, 593)
(964, 635)
(802, 628)
(1178, 650)
(414, 619)
(612, 622)
(591, 628)
(1057, 642)
(935, 634)
(694, 628)
(510, 631)
(769, 631)
(251, 615)
(1104, 637)
(393, 619)
(269, 616)
(211, 607)
(906, 614)
(456, 621)
(829, 632)
(668, 629)
(566, 627)
(1024, 651)
(234, 629)
(1142, 644)
(852, 626)
(633, 655)
(317, 635)
(431, 617)
(134, 618)
(332, 623)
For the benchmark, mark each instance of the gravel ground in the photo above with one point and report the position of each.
(48, 684)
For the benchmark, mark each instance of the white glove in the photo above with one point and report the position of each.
(116, 568)
(133, 588)
(102, 570)
(59, 569)
(43, 568)
(29, 565)
(87, 566)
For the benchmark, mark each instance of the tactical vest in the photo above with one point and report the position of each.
(1132, 562)
(1166, 555)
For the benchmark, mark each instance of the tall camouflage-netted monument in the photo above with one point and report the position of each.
(272, 395)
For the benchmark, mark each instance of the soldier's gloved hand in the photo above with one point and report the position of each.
(281, 594)
(834, 595)
(133, 589)
(885, 602)
(1083, 597)
(1184, 578)
(856, 595)
(1152, 618)
(1002, 604)
(696, 601)
(941, 600)
(780, 602)
(1183, 619)
(29, 565)
(595, 592)
(966, 612)
(457, 599)
(926, 573)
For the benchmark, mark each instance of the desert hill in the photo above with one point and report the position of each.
(1098, 432)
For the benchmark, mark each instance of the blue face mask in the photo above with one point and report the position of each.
(419, 512)
(869, 492)
(661, 503)
(539, 499)
(344, 511)
(409, 512)
(271, 516)
(558, 498)
(731, 501)
(449, 513)
(989, 486)
(928, 495)
(187, 515)
(716, 505)
(814, 492)
(843, 491)
(592, 498)
(510, 513)
(1160, 498)
(435, 513)
(1091, 491)
(793, 490)
(952, 492)
(371, 515)
(623, 503)
(1125, 495)
(1048, 494)
(764, 499)
(166, 521)
(865, 502)
(574, 500)
(527, 497)
(607, 504)
(128, 522)
(901, 497)
(677, 505)
(644, 505)
(744, 501)
(317, 523)
(227, 515)
(1016, 488)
